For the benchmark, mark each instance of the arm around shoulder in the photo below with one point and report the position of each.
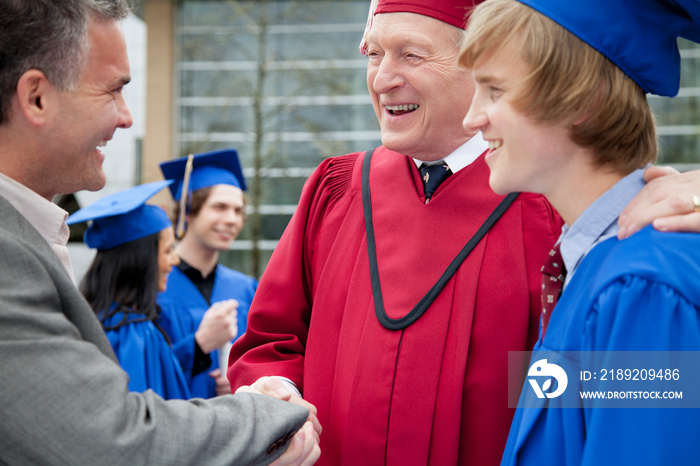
(670, 201)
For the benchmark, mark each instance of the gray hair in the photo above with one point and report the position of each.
(50, 36)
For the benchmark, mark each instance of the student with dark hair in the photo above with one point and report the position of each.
(134, 243)
(123, 274)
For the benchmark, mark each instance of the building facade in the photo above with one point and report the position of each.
(284, 83)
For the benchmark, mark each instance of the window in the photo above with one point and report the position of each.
(284, 83)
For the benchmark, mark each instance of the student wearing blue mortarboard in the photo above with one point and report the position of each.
(209, 215)
(135, 253)
(561, 98)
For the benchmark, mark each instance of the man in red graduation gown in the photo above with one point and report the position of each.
(433, 391)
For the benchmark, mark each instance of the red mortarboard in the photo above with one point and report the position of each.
(454, 12)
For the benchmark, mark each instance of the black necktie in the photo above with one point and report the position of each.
(432, 176)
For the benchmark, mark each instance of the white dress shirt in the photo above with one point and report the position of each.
(45, 216)
(464, 155)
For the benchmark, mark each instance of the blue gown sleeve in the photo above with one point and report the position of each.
(130, 347)
(147, 357)
(181, 310)
(634, 313)
(179, 326)
(184, 351)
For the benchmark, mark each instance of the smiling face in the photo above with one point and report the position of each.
(167, 258)
(219, 220)
(419, 92)
(88, 115)
(525, 154)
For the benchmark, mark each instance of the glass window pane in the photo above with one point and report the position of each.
(299, 60)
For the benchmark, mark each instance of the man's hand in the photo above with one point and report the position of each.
(219, 325)
(222, 385)
(666, 201)
(274, 387)
(303, 448)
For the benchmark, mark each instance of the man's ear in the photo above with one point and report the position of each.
(35, 94)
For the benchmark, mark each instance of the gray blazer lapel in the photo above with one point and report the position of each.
(76, 309)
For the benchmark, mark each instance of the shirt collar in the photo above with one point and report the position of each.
(598, 222)
(193, 272)
(45, 216)
(464, 155)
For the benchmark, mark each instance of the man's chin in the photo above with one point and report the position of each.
(220, 245)
(500, 187)
(93, 184)
(398, 142)
(85, 185)
(98, 184)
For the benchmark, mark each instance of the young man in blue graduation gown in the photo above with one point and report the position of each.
(134, 243)
(210, 211)
(566, 121)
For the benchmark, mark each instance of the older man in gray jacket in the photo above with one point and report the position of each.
(64, 397)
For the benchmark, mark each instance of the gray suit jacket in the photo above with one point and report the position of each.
(64, 399)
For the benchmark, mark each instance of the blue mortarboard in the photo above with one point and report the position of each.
(208, 169)
(639, 36)
(123, 217)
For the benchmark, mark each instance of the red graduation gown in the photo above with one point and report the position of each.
(436, 392)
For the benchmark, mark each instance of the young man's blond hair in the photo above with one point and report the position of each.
(569, 81)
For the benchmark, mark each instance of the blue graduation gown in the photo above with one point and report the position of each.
(145, 355)
(182, 309)
(639, 294)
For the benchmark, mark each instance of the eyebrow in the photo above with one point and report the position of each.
(123, 81)
(486, 79)
(406, 41)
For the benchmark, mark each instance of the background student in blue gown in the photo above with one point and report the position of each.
(135, 253)
(561, 98)
(211, 213)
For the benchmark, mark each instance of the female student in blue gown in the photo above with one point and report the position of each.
(135, 253)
